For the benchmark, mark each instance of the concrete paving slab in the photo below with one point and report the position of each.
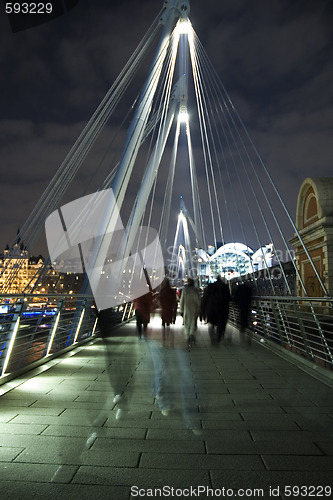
(268, 479)
(54, 411)
(50, 491)
(37, 473)
(314, 422)
(299, 463)
(77, 455)
(326, 446)
(9, 454)
(252, 424)
(307, 436)
(142, 477)
(86, 431)
(18, 428)
(199, 462)
(293, 447)
(153, 445)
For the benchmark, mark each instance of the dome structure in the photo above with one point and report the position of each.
(231, 260)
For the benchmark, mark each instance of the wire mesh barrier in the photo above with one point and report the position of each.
(35, 328)
(302, 326)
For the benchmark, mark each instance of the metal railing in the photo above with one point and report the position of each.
(35, 328)
(302, 326)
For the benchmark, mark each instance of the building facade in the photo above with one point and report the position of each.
(314, 222)
(18, 271)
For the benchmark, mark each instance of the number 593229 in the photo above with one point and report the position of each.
(28, 8)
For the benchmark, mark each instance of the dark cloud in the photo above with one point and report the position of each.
(274, 58)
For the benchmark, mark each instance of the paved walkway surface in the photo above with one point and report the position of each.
(238, 421)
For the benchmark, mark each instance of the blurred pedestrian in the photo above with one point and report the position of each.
(168, 303)
(143, 307)
(173, 384)
(190, 307)
(118, 378)
(243, 299)
(215, 309)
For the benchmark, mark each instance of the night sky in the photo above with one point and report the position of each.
(274, 57)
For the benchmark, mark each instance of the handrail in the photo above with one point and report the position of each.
(301, 326)
(35, 328)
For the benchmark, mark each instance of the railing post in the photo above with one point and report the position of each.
(262, 319)
(278, 316)
(12, 334)
(307, 348)
(124, 313)
(83, 308)
(130, 311)
(54, 326)
(321, 333)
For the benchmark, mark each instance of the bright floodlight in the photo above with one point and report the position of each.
(183, 115)
(184, 26)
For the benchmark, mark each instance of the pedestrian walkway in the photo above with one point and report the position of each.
(262, 425)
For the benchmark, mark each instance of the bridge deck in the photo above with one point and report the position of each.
(261, 423)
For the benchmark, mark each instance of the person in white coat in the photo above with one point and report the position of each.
(190, 307)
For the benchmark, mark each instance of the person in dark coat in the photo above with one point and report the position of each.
(143, 307)
(243, 298)
(168, 302)
(215, 309)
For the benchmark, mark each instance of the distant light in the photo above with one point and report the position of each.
(183, 116)
(184, 27)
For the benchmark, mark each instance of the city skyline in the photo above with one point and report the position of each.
(275, 62)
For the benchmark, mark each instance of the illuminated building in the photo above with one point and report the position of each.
(18, 271)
